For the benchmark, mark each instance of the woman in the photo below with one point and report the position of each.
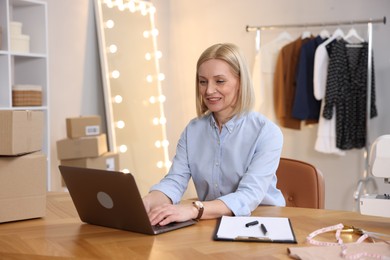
(230, 152)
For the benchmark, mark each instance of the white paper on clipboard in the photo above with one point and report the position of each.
(278, 229)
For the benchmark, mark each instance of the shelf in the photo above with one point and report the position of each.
(24, 108)
(25, 62)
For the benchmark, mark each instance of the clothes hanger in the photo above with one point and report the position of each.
(284, 36)
(338, 33)
(353, 37)
(324, 34)
(306, 34)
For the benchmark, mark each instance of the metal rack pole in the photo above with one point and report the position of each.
(272, 27)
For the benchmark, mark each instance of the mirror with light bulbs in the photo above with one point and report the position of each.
(132, 83)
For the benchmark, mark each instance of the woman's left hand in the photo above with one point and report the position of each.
(167, 213)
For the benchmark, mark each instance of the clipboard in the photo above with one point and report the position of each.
(278, 230)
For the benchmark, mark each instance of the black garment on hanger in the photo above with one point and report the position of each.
(346, 89)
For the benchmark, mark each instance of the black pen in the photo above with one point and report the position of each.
(263, 228)
(252, 223)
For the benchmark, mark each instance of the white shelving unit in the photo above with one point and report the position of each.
(25, 67)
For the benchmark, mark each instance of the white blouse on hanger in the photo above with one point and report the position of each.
(263, 74)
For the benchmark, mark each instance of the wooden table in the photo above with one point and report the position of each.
(62, 234)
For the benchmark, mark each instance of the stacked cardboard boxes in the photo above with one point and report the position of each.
(85, 145)
(22, 165)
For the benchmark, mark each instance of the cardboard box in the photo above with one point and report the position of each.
(21, 131)
(92, 146)
(22, 187)
(83, 126)
(108, 161)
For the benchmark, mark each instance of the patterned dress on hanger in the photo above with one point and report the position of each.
(346, 89)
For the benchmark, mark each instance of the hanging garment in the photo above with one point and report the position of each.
(285, 84)
(263, 74)
(346, 90)
(326, 132)
(306, 106)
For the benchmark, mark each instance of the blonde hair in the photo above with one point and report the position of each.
(231, 54)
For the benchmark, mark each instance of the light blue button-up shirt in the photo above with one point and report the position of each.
(236, 165)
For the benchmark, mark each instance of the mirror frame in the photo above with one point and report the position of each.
(107, 91)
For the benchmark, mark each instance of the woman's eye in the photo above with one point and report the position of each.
(202, 82)
(220, 81)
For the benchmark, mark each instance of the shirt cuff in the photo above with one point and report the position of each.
(235, 205)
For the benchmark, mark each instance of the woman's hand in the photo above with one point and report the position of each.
(161, 210)
(168, 213)
(155, 199)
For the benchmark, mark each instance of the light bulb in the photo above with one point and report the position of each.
(154, 32)
(142, 7)
(120, 124)
(115, 74)
(160, 164)
(109, 4)
(149, 78)
(113, 48)
(161, 98)
(152, 99)
(132, 6)
(146, 34)
(155, 121)
(168, 164)
(157, 144)
(164, 143)
(123, 148)
(118, 99)
(110, 24)
(163, 120)
(152, 10)
(161, 76)
(125, 171)
(121, 6)
(148, 56)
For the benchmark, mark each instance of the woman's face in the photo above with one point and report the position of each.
(218, 86)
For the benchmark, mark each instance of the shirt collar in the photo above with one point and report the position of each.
(229, 125)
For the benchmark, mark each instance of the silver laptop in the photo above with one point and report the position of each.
(111, 199)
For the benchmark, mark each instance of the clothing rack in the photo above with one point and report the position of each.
(366, 178)
(353, 22)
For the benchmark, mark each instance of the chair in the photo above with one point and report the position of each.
(301, 183)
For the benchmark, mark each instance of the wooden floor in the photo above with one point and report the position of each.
(61, 234)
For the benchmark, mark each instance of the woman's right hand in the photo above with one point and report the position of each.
(154, 199)
(146, 204)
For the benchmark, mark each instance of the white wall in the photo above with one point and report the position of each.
(74, 69)
(186, 28)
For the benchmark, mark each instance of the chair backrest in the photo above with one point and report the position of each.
(301, 183)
